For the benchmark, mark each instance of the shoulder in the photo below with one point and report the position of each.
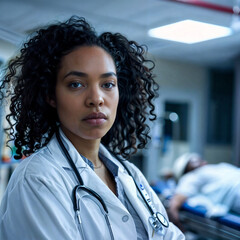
(36, 163)
(134, 170)
(139, 177)
(40, 167)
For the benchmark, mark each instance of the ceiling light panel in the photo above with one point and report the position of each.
(189, 31)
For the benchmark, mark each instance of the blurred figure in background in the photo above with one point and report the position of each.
(216, 186)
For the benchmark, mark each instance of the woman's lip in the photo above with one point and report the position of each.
(95, 121)
(95, 116)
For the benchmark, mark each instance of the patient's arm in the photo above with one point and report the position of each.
(173, 210)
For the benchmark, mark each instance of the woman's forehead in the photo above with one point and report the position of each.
(87, 59)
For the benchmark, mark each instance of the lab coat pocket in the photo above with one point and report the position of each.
(92, 220)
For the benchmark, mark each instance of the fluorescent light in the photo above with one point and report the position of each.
(189, 31)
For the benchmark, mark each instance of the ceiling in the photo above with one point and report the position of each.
(132, 18)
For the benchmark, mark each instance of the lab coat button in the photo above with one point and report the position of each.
(125, 218)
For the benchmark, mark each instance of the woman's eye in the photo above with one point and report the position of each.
(75, 85)
(109, 85)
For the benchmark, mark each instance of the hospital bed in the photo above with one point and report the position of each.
(194, 219)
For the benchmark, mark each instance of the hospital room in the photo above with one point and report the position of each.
(120, 119)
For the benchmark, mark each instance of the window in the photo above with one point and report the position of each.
(220, 107)
(178, 129)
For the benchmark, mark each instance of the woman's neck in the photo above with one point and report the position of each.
(87, 148)
(90, 150)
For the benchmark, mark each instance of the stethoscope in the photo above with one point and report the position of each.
(158, 222)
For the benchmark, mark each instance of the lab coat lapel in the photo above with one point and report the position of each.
(76, 157)
(131, 191)
(136, 200)
(91, 180)
(89, 177)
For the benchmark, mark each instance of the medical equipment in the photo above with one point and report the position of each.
(195, 220)
(158, 222)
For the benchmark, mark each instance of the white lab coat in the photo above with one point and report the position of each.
(38, 200)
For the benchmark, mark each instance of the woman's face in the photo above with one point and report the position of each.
(194, 163)
(86, 93)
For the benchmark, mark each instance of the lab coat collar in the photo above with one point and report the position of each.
(55, 149)
(130, 190)
(103, 150)
(89, 177)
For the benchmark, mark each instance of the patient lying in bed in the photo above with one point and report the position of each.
(216, 186)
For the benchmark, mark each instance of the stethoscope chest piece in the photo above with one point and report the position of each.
(162, 219)
(158, 222)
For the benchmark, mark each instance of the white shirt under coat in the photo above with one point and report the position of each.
(38, 200)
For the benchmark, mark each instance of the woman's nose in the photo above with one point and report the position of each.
(94, 98)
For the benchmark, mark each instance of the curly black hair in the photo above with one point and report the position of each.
(30, 80)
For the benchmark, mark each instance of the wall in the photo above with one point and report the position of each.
(6, 50)
(236, 121)
(218, 153)
(186, 83)
(183, 83)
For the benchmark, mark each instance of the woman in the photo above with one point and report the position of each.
(79, 101)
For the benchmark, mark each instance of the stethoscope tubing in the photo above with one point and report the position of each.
(91, 192)
(97, 196)
(84, 188)
(70, 161)
(81, 181)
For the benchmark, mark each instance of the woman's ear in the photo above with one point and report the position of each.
(51, 101)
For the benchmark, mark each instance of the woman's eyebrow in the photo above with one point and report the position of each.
(82, 74)
(76, 73)
(108, 74)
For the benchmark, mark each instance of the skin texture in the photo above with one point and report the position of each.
(173, 210)
(195, 163)
(87, 86)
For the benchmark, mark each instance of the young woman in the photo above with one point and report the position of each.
(79, 102)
